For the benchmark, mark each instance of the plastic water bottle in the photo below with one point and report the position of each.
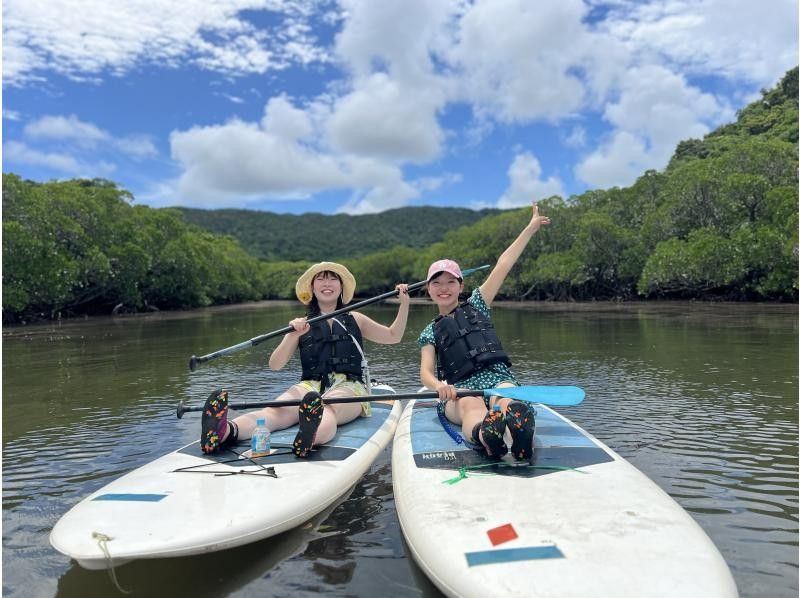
(259, 441)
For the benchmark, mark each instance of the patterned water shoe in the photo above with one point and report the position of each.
(311, 408)
(522, 424)
(215, 421)
(492, 430)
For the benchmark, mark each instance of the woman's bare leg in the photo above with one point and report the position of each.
(336, 414)
(276, 418)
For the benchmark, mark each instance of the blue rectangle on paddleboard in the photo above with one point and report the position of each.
(131, 497)
(508, 555)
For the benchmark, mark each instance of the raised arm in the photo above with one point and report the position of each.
(386, 335)
(510, 256)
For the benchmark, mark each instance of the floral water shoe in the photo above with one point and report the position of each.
(522, 424)
(311, 408)
(215, 421)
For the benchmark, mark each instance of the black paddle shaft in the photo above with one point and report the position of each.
(194, 361)
(182, 408)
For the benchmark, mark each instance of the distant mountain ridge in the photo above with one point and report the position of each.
(316, 237)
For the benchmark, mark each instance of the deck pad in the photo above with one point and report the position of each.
(557, 445)
(348, 438)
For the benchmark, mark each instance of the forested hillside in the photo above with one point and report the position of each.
(316, 237)
(80, 247)
(720, 222)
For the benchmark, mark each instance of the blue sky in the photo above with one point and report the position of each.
(359, 106)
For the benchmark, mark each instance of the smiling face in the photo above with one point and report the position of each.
(444, 289)
(327, 288)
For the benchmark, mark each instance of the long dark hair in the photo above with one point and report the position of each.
(313, 307)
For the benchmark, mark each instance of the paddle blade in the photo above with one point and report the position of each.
(557, 396)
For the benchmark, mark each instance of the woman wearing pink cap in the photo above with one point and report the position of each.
(460, 348)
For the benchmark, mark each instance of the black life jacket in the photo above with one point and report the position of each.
(466, 342)
(324, 350)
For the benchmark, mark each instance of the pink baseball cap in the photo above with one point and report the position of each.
(448, 266)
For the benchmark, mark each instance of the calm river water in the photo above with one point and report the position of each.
(701, 397)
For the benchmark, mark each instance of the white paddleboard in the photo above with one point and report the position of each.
(188, 503)
(578, 521)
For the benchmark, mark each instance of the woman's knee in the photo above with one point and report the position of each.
(475, 403)
(293, 393)
(342, 412)
(469, 407)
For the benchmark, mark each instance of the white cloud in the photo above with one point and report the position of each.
(658, 102)
(65, 127)
(526, 184)
(284, 156)
(136, 146)
(576, 137)
(285, 121)
(434, 183)
(231, 98)
(382, 119)
(389, 107)
(240, 159)
(159, 194)
(20, 153)
(76, 38)
(83, 136)
(518, 60)
(391, 192)
(396, 36)
(618, 162)
(655, 110)
(750, 41)
(388, 190)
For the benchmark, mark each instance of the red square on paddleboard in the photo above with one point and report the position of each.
(504, 533)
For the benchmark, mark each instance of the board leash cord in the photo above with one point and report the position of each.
(451, 432)
(102, 542)
(264, 470)
(464, 472)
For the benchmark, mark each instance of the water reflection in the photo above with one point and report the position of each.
(216, 574)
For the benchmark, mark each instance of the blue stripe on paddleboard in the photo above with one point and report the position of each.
(508, 555)
(131, 497)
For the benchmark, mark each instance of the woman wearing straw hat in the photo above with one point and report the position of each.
(332, 358)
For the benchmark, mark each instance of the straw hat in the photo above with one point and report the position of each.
(304, 291)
